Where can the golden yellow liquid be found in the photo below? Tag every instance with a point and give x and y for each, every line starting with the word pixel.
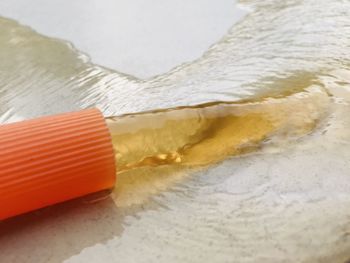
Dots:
pixel 204 134
pixel 152 149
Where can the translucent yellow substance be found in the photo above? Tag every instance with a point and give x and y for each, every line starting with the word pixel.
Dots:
pixel 200 135
pixel 153 148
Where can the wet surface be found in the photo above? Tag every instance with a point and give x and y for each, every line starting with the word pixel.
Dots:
pixel 286 201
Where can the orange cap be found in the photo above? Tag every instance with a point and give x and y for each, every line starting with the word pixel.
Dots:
pixel 53 159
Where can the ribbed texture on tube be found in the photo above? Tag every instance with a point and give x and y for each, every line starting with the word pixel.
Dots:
pixel 53 159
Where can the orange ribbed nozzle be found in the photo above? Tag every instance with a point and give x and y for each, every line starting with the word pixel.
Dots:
pixel 53 159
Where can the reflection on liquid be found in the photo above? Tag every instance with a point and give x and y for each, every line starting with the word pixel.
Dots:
pixel 205 134
pixel 284 75
pixel 159 144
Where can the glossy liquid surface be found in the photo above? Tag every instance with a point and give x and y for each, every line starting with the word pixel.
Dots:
pixel 250 162
pixel 204 134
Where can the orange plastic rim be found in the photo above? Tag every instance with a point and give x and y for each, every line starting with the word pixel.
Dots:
pixel 53 159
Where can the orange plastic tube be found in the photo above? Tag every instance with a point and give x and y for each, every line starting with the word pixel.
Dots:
pixel 53 159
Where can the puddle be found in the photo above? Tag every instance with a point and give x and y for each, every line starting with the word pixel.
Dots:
pixel 267 106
